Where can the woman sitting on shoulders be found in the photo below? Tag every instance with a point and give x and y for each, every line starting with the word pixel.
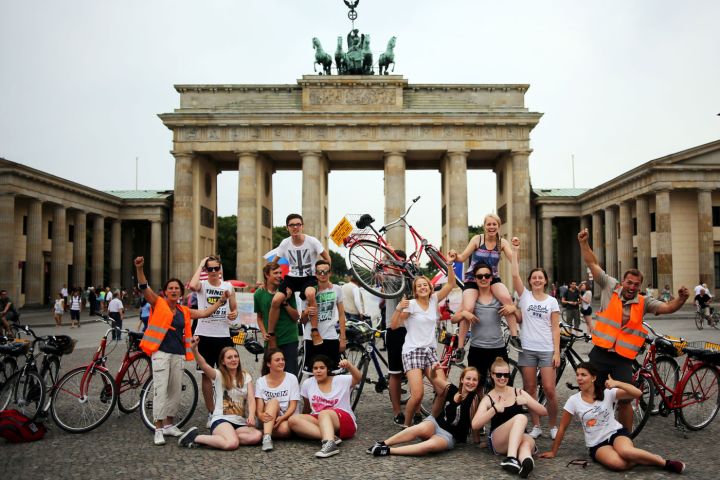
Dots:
pixel 503 408
pixel 607 440
pixel 449 423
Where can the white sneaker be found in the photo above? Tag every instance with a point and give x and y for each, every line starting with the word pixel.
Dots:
pixel 553 432
pixel 172 430
pixel 159 438
pixel 209 422
pixel 536 431
pixel 267 443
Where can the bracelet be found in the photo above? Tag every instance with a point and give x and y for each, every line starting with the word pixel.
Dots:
pixel 142 286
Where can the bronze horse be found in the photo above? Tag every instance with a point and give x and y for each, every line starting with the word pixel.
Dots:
pixel 387 58
pixel 321 57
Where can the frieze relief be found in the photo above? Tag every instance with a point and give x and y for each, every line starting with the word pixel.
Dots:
pixel 352 133
pixel 356 96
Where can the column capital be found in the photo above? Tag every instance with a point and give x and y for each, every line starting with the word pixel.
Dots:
pixel 308 153
pixel 458 151
pixel 527 151
pixel 177 154
pixel 246 153
pixel 394 153
pixel 663 187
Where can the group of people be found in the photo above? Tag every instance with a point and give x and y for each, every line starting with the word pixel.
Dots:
pixel 243 411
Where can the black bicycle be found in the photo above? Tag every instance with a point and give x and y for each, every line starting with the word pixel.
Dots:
pixel 568 355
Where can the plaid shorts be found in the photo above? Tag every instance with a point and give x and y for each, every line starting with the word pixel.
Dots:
pixel 421 358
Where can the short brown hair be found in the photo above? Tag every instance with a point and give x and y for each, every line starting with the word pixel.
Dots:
pixel 634 272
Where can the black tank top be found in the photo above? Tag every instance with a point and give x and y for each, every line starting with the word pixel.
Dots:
pixel 505 415
pixel 455 416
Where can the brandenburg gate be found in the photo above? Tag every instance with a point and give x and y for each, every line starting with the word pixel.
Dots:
pixel 343 122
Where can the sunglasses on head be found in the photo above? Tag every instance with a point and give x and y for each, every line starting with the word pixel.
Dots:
pixel 213 269
pixel 502 374
pixel 486 276
pixel 322 272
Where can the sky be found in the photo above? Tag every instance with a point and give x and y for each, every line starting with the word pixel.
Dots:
pixel 619 83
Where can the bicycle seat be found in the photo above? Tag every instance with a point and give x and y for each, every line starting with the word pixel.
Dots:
pixel 364 221
pixel 709 356
pixel 135 335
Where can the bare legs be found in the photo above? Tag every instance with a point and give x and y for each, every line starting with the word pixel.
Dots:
pixel 226 437
pixel 623 455
pixel 321 428
pixel 417 389
pixel 281 430
pixel 426 432
pixel 510 438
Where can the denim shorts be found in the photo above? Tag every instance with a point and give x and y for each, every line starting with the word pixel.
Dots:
pixel 440 432
pixel 532 358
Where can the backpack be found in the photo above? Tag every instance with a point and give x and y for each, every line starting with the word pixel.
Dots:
pixel 17 428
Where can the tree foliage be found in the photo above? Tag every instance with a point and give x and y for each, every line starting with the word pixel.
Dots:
pixel 227 244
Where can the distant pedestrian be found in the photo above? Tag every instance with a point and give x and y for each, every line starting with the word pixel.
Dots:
pixel 75 308
pixel 116 311
pixel 59 309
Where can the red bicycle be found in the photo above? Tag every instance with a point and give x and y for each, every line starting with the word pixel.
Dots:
pixel 85 396
pixel 375 264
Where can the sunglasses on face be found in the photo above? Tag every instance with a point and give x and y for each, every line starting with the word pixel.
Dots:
pixel 294 225
pixel 322 272
pixel 213 269
pixel 486 276
pixel 502 374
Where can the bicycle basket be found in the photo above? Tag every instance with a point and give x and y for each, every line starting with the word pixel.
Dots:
pixel 670 346
pixel 239 338
pixel 59 345
pixel 704 345
pixel 358 332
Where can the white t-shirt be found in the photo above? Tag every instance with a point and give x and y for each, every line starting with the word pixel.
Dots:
pixel 338 397
pixel 301 258
pixel 420 325
pixel 597 418
pixel 108 296
pixel 287 391
pixel 231 405
pixel 536 327
pixel 115 305
pixel 328 314
pixel 75 303
pixel 216 324
pixel 585 299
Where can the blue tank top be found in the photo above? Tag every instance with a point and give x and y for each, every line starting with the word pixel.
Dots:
pixel 490 257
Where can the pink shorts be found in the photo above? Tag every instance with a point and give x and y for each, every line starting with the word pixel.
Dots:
pixel 347 424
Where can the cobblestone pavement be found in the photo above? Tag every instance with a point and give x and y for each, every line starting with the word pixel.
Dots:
pixel 123 446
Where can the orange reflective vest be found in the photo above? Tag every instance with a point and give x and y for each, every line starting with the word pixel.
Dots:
pixel 159 323
pixel 609 331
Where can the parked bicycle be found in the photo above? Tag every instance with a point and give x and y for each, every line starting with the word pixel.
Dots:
pixel 691 392
pixel 10 351
pixel 375 264
pixel 568 355
pixel 26 390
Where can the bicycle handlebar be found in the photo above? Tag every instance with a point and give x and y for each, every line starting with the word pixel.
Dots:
pixel 569 328
pixel 111 322
pixel 401 218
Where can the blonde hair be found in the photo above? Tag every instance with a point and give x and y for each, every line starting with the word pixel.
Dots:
pixel 227 378
pixel 494 217
pixel 499 362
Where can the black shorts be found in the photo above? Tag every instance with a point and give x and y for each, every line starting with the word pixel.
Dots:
pixel 610 363
pixel 592 451
pixel 297 284
pixel 329 348
pixel 586 312
pixel 483 358
pixel 472 284
pixel 210 347
pixel 394 340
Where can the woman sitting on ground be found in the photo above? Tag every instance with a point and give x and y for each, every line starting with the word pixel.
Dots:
pixel 607 440
pixel 327 412
pixel 449 423
pixel 503 408
pixel 277 393
pixel 233 418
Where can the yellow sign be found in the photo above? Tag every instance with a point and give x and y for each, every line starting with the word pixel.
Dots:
pixel 341 231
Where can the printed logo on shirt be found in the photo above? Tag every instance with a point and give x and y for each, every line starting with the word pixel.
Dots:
pixel 270 395
pixel 300 262
pixel 326 303
pixel 212 295
pixel 596 418
pixel 538 311
pixel 234 402
pixel 321 403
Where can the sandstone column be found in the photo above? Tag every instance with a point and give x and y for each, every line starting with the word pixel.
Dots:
pixel 58 259
pixel 663 239
pixel 706 248
pixel 247 213
pixel 98 251
pixel 34 256
pixel 598 244
pixel 625 247
pixel 8 262
pixel 642 212
pixel 115 253
pixel 454 178
pixel 183 223
pixel 395 195
pixel 610 242
pixel 520 226
pixel 547 248
pixel 79 248
pixel 311 194
pixel 155 253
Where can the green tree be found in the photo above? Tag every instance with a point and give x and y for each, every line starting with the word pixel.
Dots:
pixel 227 244
pixel 278 235
pixel 339 271
pixel 475 230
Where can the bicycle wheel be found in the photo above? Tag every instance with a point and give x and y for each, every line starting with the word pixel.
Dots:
pixel 642 406
pixel 700 398
pixel 441 263
pixel 130 385
pixel 81 402
pixel 25 392
pixel 368 263
pixel 358 389
pixel 698 320
pixel 188 401
pixel 669 373
pixel 51 371
pixel 7 368
pixel 541 398
pixel 715 320
pixel 354 352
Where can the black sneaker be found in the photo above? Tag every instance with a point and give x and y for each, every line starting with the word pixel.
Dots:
pixel 417 418
pixel 376 445
pixel 382 451
pixel 526 467
pixel 187 439
pixel 511 465
pixel 675 466
pixel 399 419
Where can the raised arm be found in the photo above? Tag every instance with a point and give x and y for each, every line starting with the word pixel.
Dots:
pixel 356 374
pixel 471 247
pixel 447 288
pixel 204 366
pixel 564 423
pixel 211 309
pixel 674 304
pixel 515 267
pixel 150 296
pixel 588 255
pixel 195 280
pixel 399 316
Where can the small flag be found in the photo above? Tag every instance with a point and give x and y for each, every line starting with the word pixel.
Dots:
pixel 282 262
